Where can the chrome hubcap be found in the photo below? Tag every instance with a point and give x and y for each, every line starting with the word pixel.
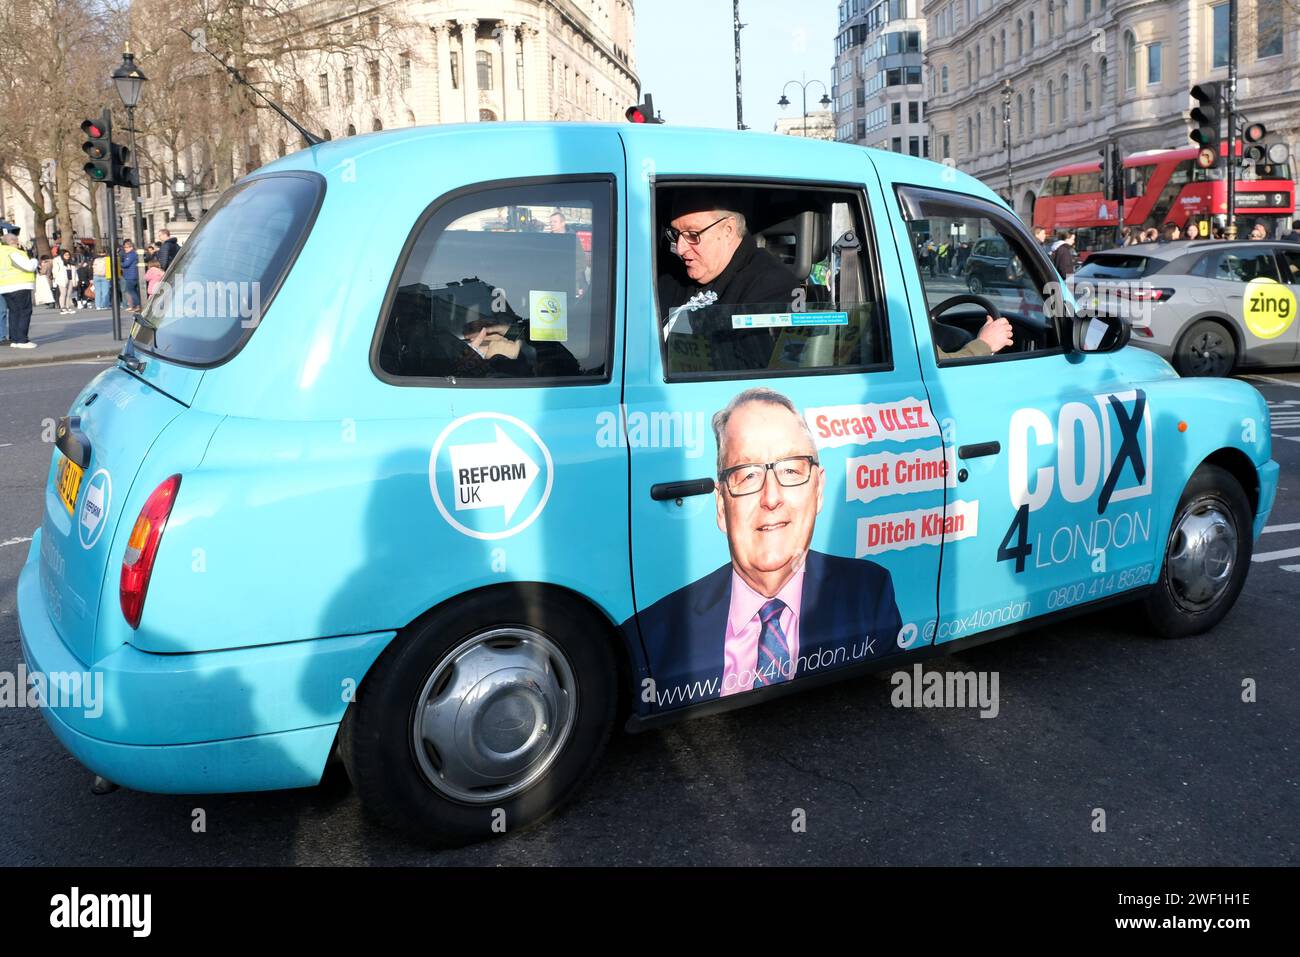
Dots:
pixel 1202 555
pixel 494 715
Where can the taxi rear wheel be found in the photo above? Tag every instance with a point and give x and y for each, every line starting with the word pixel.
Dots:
pixel 482 718
pixel 1206 557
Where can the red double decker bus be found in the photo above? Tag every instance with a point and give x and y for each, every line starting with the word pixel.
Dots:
pixel 1162 186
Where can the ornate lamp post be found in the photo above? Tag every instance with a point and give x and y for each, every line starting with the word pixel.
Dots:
pixel 130 81
pixel 825 101
pixel 180 197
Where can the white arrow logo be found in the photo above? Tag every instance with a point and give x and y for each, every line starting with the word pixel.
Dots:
pixel 496 474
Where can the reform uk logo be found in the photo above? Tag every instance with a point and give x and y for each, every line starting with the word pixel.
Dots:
pixel 94 508
pixel 490 475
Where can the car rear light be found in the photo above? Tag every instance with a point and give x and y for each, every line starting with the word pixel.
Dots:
pixel 1147 294
pixel 142 547
pixel 1143 331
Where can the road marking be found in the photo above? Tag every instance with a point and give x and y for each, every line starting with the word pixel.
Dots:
pixel 14 541
pixel 1274 556
pixel 1289 438
pixel 1293 527
pixel 1289 568
pixel 5 445
pixel 1265 378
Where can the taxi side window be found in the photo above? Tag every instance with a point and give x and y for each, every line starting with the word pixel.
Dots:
pixel 760 281
pixel 511 284
pixel 965 246
pixel 1290 259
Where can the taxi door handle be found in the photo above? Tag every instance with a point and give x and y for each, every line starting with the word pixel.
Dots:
pixel 979 449
pixel 668 491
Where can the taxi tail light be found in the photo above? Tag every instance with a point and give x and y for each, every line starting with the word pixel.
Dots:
pixel 142 548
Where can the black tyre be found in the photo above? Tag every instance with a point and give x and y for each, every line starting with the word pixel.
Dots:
pixel 483 717
pixel 1206 558
pixel 975 285
pixel 1206 349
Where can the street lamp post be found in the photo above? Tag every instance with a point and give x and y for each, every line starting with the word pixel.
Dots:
pixel 180 197
pixel 130 80
pixel 825 101
pixel 1006 137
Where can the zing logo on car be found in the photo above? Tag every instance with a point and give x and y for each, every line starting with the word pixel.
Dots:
pixel 1268 307
pixel 490 475
pixel 94 508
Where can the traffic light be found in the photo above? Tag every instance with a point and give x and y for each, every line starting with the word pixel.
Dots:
pixel 99 147
pixel 123 175
pixel 1205 118
pixel 643 112
pixel 1112 172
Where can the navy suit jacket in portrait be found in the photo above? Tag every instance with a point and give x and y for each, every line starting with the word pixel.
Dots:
pixel 847 603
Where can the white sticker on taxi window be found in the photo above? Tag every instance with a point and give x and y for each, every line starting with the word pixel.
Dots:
pixel 548 312
pixel 771 320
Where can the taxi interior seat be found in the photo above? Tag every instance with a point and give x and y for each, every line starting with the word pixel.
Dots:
pixel 799 242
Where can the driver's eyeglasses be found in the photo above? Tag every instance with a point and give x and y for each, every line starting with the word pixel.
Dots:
pixel 748 478
pixel 692 236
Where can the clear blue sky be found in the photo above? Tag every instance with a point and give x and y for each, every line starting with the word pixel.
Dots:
pixel 686 57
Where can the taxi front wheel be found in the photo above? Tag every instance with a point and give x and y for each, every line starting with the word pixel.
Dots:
pixel 483 717
pixel 1206 557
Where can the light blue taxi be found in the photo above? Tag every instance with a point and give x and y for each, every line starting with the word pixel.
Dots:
pixel 440 451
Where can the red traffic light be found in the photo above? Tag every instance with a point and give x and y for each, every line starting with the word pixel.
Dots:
pixel 635 115
pixel 92 129
pixel 1254 132
pixel 1206 159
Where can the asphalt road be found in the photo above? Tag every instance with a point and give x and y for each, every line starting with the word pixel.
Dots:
pixel 1093 715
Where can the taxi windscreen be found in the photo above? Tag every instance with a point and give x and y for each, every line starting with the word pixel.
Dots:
pixel 216 291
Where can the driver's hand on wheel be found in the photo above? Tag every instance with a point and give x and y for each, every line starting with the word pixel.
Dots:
pixel 995 333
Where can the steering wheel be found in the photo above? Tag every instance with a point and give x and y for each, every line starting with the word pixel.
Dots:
pixel 964 299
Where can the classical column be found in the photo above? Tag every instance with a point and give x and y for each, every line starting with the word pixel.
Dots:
pixel 506 47
pixel 528 95
pixel 442 66
pixel 469 68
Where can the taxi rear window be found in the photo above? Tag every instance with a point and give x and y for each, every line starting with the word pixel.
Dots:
pixel 219 286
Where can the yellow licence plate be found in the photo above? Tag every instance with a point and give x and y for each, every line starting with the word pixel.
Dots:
pixel 67 482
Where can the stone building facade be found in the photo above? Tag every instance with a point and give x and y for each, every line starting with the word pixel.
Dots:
pixel 1086 72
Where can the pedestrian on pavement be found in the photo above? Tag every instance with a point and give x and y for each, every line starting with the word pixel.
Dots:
pixel 167 249
pixel 1294 235
pixel 153 275
pixel 45 283
pixel 1040 234
pixel 17 282
pixel 131 275
pixel 1063 257
pixel 65 279
pixel 100 274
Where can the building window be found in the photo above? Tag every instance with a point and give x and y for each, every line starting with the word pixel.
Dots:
pixel 947 153
pixel 1065 97
pixel 323 82
pixel 1219 42
pixel 1020 115
pixel 914 145
pixel 979 132
pixel 925 146
pixel 1102 76
pixel 1033 33
pixel 348 88
pixel 352 130
pixel 970 137
pixel 1154 72
pixel 1087 90
pixel 373 23
pixel 1020 37
pixel 1051 18
pixel 483 62
pixel 1268 29
pixel 1087 9
pixel 1003 45
pixel 1033 111
pixel 1130 61
pixel 1051 103
pixel 993 128
pixel 375 125
pixel 372 71
pixel 896 144
pixel 913 112
pixel 896 114
pixel 970 70
pixel 406 71
pixel 943 78
pixel 455 70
